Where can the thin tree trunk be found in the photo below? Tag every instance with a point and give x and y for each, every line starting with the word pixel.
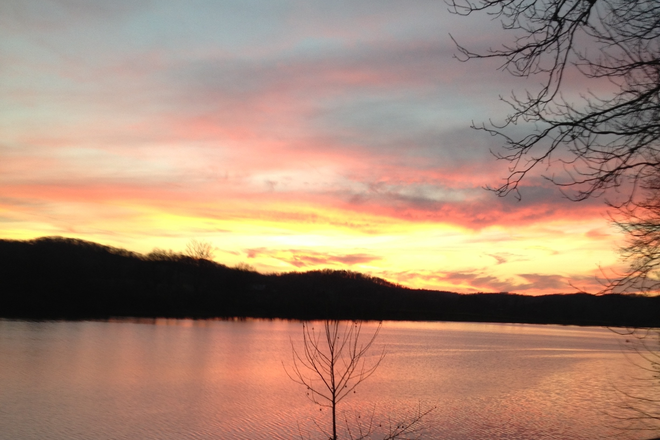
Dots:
pixel 334 420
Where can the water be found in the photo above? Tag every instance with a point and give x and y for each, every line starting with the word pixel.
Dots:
pixel 180 379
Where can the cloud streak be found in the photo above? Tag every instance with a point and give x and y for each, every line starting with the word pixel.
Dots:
pixel 307 259
pixel 297 134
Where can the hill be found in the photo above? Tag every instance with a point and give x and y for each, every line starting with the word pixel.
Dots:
pixel 62 278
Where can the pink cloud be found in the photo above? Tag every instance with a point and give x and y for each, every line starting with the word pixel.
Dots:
pixel 600 233
pixel 354 120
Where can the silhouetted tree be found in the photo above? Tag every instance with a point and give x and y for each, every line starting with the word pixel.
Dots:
pixel 601 141
pixel 245 267
pixel 332 363
pixel 604 140
pixel 158 254
pixel 199 250
pixel 638 408
pixel 641 224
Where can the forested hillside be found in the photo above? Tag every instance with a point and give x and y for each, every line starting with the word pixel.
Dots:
pixel 61 278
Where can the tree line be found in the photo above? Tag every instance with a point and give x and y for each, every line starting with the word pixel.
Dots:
pixel 64 278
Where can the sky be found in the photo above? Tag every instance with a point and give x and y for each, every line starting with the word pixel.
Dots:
pixel 291 135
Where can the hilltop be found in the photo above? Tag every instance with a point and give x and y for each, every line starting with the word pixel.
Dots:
pixel 63 278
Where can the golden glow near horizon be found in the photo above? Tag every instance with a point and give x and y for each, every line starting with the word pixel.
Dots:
pixel 290 140
pixel 531 259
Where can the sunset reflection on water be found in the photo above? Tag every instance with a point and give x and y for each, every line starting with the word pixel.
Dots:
pixel 189 379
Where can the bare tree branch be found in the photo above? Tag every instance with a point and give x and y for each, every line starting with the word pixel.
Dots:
pixel 333 361
pixel 600 143
pixel 199 250
pixel 638 408
pixel 641 224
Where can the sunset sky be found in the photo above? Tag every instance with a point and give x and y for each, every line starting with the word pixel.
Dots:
pixel 292 135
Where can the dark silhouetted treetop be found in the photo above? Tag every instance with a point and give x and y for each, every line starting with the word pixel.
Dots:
pixel 199 250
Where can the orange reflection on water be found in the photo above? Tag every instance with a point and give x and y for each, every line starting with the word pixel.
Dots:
pixel 185 379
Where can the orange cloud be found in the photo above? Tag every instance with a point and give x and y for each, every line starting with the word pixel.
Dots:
pixel 304 258
pixel 335 140
pixel 478 281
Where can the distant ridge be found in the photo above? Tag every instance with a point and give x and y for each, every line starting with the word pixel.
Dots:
pixel 63 278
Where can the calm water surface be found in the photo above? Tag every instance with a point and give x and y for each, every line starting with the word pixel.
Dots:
pixel 180 379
